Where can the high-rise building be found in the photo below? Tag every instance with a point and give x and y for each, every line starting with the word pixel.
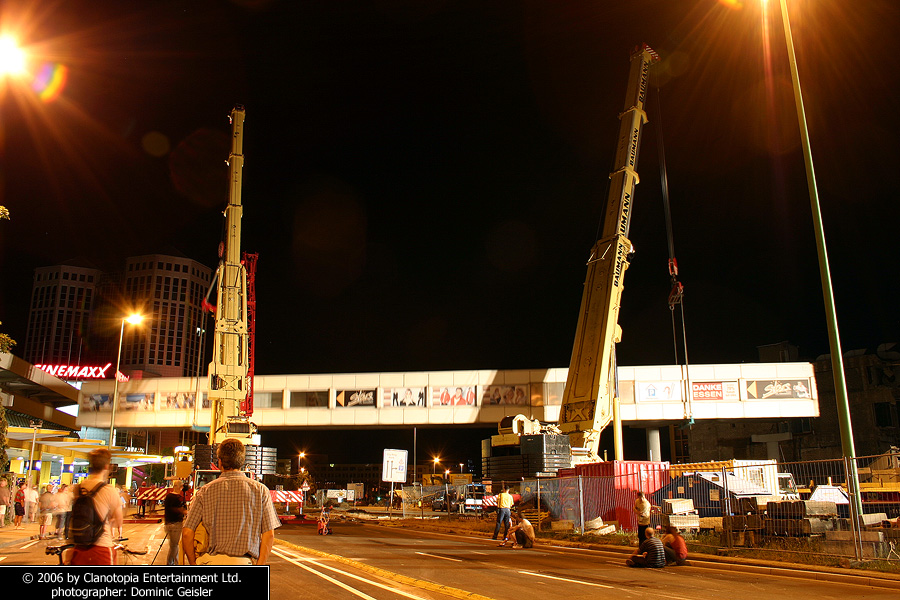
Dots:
pixel 168 290
pixel 62 298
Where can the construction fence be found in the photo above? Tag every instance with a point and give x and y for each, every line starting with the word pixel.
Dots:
pixel 845 507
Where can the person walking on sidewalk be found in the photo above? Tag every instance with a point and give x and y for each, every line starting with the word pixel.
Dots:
pixel 64 509
pixel 5 500
pixel 31 503
pixel 173 512
pixel 48 508
pixel 20 506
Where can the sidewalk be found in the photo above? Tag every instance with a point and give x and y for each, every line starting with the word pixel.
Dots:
pixel 10 536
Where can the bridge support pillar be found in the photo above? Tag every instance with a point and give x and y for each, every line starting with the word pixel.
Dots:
pixel 653 445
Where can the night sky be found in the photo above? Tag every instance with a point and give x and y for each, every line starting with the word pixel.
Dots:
pixel 423 181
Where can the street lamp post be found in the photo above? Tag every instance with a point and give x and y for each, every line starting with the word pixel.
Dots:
pixel 834 341
pixel 437 461
pixel 35 425
pixel 134 320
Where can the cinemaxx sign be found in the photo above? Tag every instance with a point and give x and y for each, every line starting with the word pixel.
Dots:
pixel 75 371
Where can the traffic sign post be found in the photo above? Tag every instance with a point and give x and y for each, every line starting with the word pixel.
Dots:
pixel 393 469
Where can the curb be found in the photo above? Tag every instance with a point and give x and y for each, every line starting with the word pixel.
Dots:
pixel 404 579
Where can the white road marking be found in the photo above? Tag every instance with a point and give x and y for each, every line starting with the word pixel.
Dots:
pixel 566 579
pixel 353 591
pixel 2 558
pixel 481 553
pixel 294 559
pixel 443 557
pixel 27 546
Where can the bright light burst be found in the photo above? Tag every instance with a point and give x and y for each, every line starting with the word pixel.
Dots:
pixel 12 57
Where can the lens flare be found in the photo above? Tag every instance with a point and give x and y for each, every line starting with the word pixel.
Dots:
pixel 733 4
pixel 12 57
pixel 50 81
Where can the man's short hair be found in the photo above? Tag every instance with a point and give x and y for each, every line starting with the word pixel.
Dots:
pixel 177 483
pixel 231 454
pixel 649 532
pixel 98 460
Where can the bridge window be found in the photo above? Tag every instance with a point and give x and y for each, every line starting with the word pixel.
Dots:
pixel 309 399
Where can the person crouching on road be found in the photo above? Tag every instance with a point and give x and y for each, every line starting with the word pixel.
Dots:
pixel 651 553
pixel 675 547
pixel 522 531
pixel 236 511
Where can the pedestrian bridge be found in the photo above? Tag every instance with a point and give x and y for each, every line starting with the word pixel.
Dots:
pixel 651 394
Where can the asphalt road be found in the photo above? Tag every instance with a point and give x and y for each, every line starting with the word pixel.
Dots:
pixel 382 562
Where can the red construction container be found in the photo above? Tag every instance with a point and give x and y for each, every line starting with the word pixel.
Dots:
pixel 609 487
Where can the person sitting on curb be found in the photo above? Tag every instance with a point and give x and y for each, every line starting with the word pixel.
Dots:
pixel 522 531
pixel 675 547
pixel 650 554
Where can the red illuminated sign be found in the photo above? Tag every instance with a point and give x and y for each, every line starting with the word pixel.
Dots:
pixel 75 371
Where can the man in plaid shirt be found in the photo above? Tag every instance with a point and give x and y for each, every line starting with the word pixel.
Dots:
pixel 237 513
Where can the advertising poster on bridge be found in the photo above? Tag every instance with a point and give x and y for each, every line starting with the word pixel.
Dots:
pixel 345 398
pixel 504 394
pixel 403 396
pixel 659 391
pixel 143 401
pixel 715 390
pixel 773 389
pixel 95 402
pixel 463 395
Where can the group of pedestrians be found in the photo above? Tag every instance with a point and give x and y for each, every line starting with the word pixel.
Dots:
pixel 50 509
pixel 236 512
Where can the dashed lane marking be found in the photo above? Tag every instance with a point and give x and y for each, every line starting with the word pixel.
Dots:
pixel 442 557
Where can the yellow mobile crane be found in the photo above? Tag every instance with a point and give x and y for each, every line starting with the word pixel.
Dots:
pixel 589 400
pixel 229 379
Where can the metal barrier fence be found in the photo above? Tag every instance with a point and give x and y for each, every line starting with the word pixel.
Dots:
pixel 803 507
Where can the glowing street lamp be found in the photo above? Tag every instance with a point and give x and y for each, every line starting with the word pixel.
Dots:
pixel 12 57
pixel 134 320
pixel 460 467
pixel 437 461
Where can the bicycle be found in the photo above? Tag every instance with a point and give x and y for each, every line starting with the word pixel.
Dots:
pixel 65 557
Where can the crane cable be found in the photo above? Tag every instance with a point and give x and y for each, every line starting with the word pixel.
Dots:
pixel 676 295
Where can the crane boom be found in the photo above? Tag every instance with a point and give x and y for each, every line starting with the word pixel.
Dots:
pixel 228 371
pixel 589 396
